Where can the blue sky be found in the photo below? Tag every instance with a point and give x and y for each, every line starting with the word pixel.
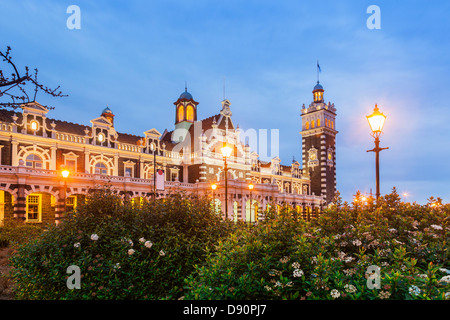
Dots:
pixel 135 57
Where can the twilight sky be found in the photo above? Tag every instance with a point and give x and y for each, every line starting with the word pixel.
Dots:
pixel 135 56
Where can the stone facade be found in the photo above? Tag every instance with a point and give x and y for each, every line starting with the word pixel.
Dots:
pixel 34 149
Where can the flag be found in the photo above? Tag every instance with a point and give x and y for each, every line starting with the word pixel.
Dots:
pixel 318 67
pixel 160 180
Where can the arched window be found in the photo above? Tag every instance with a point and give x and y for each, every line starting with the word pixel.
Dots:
pixel 318 122
pixel 326 123
pixel 101 168
pixel 307 125
pixel 312 124
pixel 34 161
pixel 190 113
pixel 180 113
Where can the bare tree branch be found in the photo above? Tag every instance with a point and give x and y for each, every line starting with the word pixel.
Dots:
pixel 17 83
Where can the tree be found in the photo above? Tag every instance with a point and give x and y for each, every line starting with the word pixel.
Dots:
pixel 14 87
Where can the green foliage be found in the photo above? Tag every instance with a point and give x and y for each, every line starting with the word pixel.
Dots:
pixel 329 257
pixel 178 248
pixel 16 232
pixel 123 251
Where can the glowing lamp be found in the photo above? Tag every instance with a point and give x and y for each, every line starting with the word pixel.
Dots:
pixel 376 121
pixel 65 173
pixel 34 125
pixel 251 186
pixel 214 186
pixel 226 151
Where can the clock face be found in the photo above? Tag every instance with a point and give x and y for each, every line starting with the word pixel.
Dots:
pixel 312 156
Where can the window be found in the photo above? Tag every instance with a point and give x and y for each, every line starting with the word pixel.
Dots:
pixel 180 113
pixel 318 122
pixel 71 203
pixel 307 125
pixel 312 124
pixel 34 207
pixel 34 161
pixel 100 168
pixel 71 165
pixel 189 113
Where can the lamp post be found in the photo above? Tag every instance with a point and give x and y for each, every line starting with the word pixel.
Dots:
pixel 65 174
pixel 376 122
pixel 214 187
pixel 250 187
pixel 226 152
pixel 153 148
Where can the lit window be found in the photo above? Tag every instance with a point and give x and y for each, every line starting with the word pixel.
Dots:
pixel 180 113
pixel 34 161
pixel 307 125
pixel 34 207
pixel 100 168
pixel 71 203
pixel 189 113
pixel 312 124
pixel 318 122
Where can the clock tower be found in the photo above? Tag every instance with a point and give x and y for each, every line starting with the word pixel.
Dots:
pixel 319 144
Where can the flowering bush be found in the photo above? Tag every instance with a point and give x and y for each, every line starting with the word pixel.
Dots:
pixel 333 257
pixel 123 251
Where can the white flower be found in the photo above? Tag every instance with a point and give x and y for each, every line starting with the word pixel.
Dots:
pixel 392 230
pixel 94 237
pixel 296 265
pixel 77 245
pixel 350 288
pixel 349 259
pixel 335 294
pixel 142 240
pixel 278 284
pixel 130 252
pixel 445 279
pixel 414 290
pixel 298 273
pixel 148 244
pixel 162 253
pixel 422 276
pixel 444 270
pixel 436 227
pixel 447 295
pixel 117 266
pixel 268 288
pixel 356 242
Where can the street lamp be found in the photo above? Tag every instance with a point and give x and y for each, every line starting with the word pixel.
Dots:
pixel 153 149
pixel 214 187
pixel 226 152
pixel 376 122
pixel 250 187
pixel 65 174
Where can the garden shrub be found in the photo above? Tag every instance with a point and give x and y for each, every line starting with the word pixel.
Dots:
pixel 332 257
pixel 123 251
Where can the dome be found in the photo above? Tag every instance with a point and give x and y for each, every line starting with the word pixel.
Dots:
pixel 318 86
pixel 186 95
pixel 107 110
